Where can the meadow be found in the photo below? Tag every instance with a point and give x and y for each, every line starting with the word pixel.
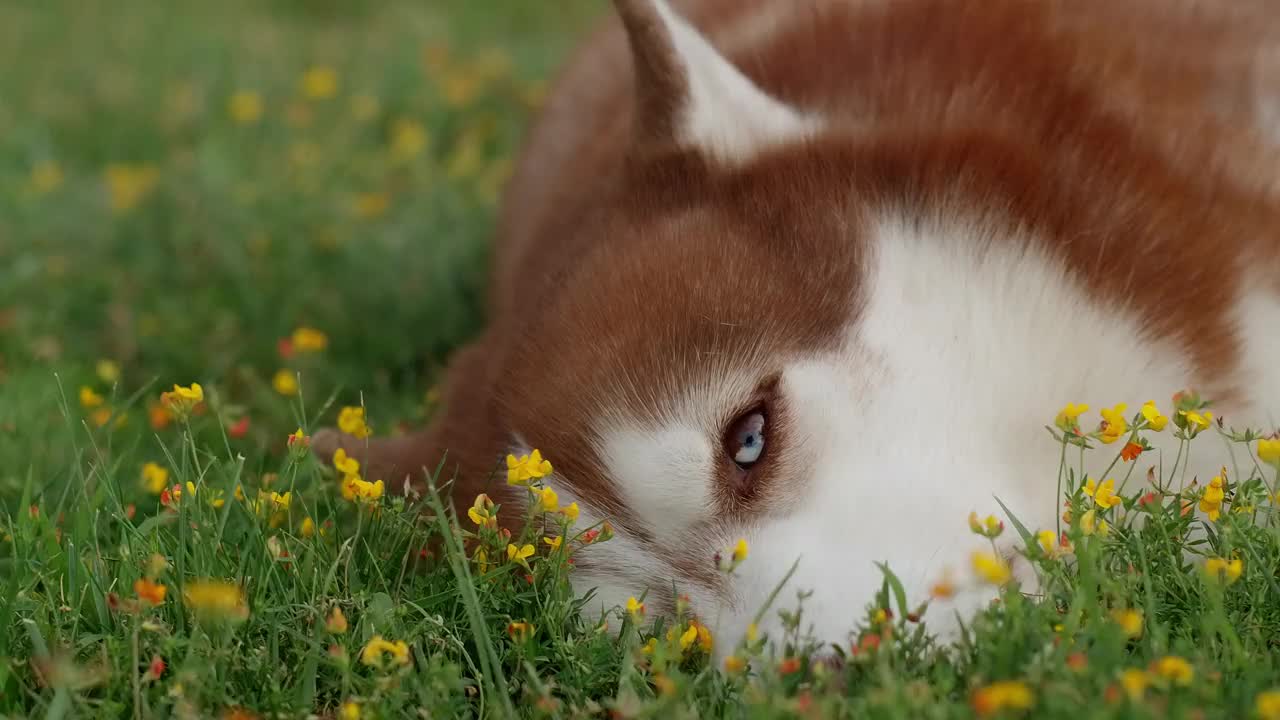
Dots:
pixel 226 225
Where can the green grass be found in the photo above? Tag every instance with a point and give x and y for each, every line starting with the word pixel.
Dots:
pixel 366 215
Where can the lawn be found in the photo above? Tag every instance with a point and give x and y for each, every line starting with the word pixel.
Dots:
pixel 288 202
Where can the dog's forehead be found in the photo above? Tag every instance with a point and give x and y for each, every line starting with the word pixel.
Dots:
pixel 671 298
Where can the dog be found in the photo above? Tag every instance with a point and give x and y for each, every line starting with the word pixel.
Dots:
pixel 817 274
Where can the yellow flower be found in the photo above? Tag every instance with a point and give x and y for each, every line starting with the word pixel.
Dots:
pixel 279 501
pixel 1269 451
pixel 1114 426
pixel 734 664
pixel 650 647
pixel 408 139
pixel 215 497
pixel 1154 419
pixel 285 382
pixel 129 185
pixel 350 710
pixel 570 511
pixel 344 464
pixel 46 177
pixel 108 371
pixel 176 492
pixel 307 528
pixel 351 421
pixel 320 83
pixel 1068 418
pixel 216 599
pixel 688 637
pixel 154 478
pixel 635 608
pixel 740 550
pixel 753 633
pixel 1211 500
pixel 991 568
pixel 1104 495
pixel 1000 696
pixel 354 488
pixel 1267 705
pixel 308 340
pixel 245 107
pixel 90 399
pixel 370 205
pixel 1090 524
pixel 526 468
pixel 1224 570
pixel 1134 682
pixel 336 623
pixel 1048 542
pixel 182 400
pixel 149 592
pixel 991 527
pixel 1130 621
pixel 1173 669
pixel 705 642
pixel 519 554
pixel 378 649
pixel 548 499
pixel 1197 421
pixel 554 542
pixel 481 512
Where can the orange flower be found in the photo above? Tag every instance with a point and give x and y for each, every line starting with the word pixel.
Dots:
pixel 944 588
pixel 1131 451
pixel 155 669
pixel 149 592
pixel 239 429
pixel 159 416
pixel 519 631
pixel 789 666
pixel 336 623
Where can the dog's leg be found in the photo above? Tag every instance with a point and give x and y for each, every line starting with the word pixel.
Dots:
pixel 459 436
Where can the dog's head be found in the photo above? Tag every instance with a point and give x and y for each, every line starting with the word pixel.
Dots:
pixel 831 339
pixel 725 359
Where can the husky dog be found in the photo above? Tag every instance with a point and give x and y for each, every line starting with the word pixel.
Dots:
pixel 816 273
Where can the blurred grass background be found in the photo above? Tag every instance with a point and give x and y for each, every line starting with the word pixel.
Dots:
pixel 183 183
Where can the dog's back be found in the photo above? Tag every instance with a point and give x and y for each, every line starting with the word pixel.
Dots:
pixel 1194 84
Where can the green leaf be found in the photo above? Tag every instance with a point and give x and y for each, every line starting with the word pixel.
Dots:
pixel 899 592
pixel 1027 537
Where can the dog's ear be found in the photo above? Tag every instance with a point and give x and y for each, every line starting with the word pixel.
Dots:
pixel 463 441
pixel 689 96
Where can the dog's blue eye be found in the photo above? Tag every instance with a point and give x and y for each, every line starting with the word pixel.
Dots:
pixel 745 441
